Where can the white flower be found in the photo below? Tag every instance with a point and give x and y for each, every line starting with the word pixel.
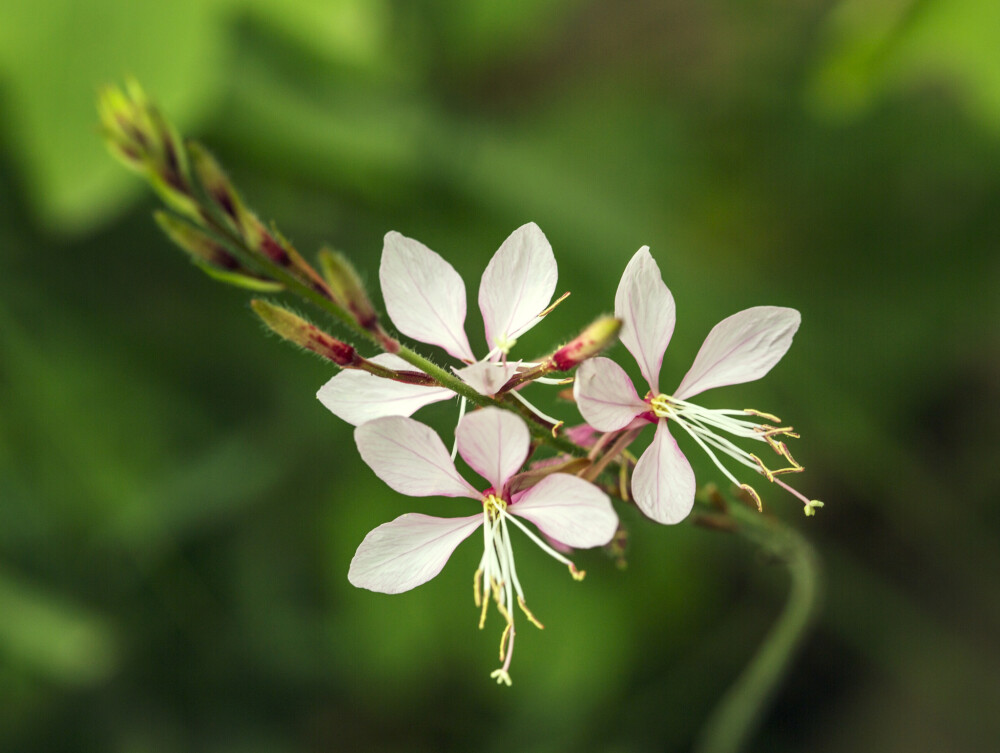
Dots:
pixel 425 299
pixel 413 548
pixel 741 348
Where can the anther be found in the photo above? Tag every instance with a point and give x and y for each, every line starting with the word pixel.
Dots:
pixel 762 414
pixel 763 468
pixel 527 612
pixel 752 493
pixel 476 592
pixel 782 449
pixel 577 574
pixel 503 640
pixel 555 303
pixel 482 614
pixel 769 431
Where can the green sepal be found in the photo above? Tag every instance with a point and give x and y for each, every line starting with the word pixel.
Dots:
pixel 239 279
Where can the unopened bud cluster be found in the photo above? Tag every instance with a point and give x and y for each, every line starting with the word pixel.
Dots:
pixel 212 223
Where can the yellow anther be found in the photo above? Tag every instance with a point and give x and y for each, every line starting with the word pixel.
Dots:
pixel 494 505
pixel 527 613
pixel 555 303
pixel 555 429
pixel 763 468
pixel 762 414
pixel 753 495
pixel 476 593
pixel 660 405
pixel 577 574
pixel 782 449
pixel 770 474
pixel 503 640
pixel 482 613
pixel 769 431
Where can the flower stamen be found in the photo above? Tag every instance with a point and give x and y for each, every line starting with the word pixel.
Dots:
pixel 527 613
pixel 705 424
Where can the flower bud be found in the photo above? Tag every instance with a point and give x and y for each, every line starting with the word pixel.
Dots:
pixel 216 183
pixel 297 330
pixel 595 338
pixel 347 288
pixel 141 138
pixel 258 238
pixel 202 247
pixel 211 256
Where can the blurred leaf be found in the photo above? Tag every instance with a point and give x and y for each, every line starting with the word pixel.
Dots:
pixel 53 637
pixel 54 55
pixel 349 31
pixel 875 47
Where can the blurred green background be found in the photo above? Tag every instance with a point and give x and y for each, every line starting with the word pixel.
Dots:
pixel 178 512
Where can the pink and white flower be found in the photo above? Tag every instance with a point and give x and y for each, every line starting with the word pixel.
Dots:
pixel 425 299
pixel 413 548
pixel 741 348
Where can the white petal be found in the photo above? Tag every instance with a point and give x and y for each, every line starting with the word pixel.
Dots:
pixel 517 285
pixel 486 377
pixel 663 483
pixel 424 295
pixel 605 395
pixel 494 442
pixel 646 308
pixel 741 348
pixel 357 396
pixel 410 458
pixel 569 509
pixel 407 552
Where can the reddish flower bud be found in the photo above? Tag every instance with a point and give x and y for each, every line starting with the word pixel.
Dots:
pixel 587 344
pixel 297 330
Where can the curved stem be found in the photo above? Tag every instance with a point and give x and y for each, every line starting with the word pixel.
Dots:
pixel 741 709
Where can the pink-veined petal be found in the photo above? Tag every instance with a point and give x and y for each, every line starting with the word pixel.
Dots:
pixel 357 396
pixel 517 285
pixel 663 483
pixel 486 377
pixel 408 551
pixel 569 510
pixel 646 307
pixel 741 348
pixel 494 442
pixel 424 295
pixel 605 396
pixel 410 458
pixel 583 434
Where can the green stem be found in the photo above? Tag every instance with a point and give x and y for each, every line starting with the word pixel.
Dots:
pixel 741 709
